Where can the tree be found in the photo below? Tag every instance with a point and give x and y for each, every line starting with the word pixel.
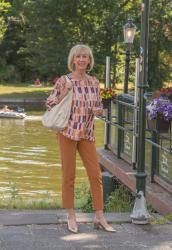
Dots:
pixel 13 39
pixel 160 43
pixel 40 34
pixel 4 7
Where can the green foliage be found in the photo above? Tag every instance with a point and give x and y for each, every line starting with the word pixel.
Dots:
pixel 19 203
pixel 13 191
pixel 169 217
pixel 36 37
pixel 120 200
pixel 4 8
pixel 87 206
pixel 83 198
pixel 12 64
pixel 15 200
pixel 150 209
pixel 160 43
pixel 162 220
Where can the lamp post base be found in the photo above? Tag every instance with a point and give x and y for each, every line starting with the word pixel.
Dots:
pixel 140 222
pixel 140 214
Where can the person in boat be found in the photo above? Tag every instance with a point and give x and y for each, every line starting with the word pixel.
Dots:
pixel 6 109
pixel 37 82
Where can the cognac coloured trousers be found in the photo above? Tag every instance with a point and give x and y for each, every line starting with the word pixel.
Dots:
pixel 87 152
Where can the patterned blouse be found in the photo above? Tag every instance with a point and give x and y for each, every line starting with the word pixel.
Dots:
pixel 86 98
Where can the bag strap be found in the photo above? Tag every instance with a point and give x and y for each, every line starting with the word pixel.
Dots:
pixel 68 81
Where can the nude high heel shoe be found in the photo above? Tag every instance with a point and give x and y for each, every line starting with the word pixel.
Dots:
pixel 71 229
pixel 99 225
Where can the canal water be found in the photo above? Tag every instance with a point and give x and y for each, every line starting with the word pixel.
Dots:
pixel 30 160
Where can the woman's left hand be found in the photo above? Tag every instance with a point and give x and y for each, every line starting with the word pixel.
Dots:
pixel 97 111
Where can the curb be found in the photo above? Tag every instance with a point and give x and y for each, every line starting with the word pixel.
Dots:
pixel 45 217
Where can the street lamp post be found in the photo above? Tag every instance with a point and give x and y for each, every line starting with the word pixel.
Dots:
pixel 140 175
pixel 140 214
pixel 129 33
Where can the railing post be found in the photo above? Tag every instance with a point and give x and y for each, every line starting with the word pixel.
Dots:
pixel 107 111
pixel 107 84
pixel 108 126
pixel 155 156
pixel 120 133
pixel 135 124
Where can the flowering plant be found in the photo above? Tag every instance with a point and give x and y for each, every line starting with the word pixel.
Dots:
pixel 160 107
pixel 107 93
pixel 166 92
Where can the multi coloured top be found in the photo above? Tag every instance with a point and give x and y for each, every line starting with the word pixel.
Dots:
pixel 86 99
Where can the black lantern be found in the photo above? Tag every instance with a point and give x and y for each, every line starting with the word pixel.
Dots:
pixel 129 32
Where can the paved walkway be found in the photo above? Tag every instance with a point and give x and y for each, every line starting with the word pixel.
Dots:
pixel 46 230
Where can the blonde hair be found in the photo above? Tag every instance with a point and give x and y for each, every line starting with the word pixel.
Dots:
pixel 76 50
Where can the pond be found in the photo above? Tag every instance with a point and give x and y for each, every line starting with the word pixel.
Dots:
pixel 30 161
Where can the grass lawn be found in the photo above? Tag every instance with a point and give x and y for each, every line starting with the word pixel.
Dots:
pixel 23 91
pixel 26 91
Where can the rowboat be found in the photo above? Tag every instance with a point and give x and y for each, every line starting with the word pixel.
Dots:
pixel 12 114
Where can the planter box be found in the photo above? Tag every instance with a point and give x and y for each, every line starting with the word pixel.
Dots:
pixel 159 125
pixel 106 103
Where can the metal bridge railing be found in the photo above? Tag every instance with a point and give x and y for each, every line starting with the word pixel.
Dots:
pixel 121 135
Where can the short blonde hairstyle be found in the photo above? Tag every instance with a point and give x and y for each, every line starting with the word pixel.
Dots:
pixel 75 51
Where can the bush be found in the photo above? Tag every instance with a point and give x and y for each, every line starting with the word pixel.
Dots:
pixel 121 200
pixel 83 199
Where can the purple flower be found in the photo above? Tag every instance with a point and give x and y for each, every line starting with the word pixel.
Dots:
pixel 159 107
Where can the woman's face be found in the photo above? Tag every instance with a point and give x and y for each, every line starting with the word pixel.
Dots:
pixel 81 61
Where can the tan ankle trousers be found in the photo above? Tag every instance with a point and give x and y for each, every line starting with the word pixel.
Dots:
pixel 87 151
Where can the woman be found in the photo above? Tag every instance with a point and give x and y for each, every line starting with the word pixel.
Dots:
pixel 79 135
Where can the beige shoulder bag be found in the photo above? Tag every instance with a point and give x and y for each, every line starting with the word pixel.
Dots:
pixel 58 117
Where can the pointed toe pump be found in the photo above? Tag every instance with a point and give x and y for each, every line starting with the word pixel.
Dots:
pixel 72 229
pixel 99 225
